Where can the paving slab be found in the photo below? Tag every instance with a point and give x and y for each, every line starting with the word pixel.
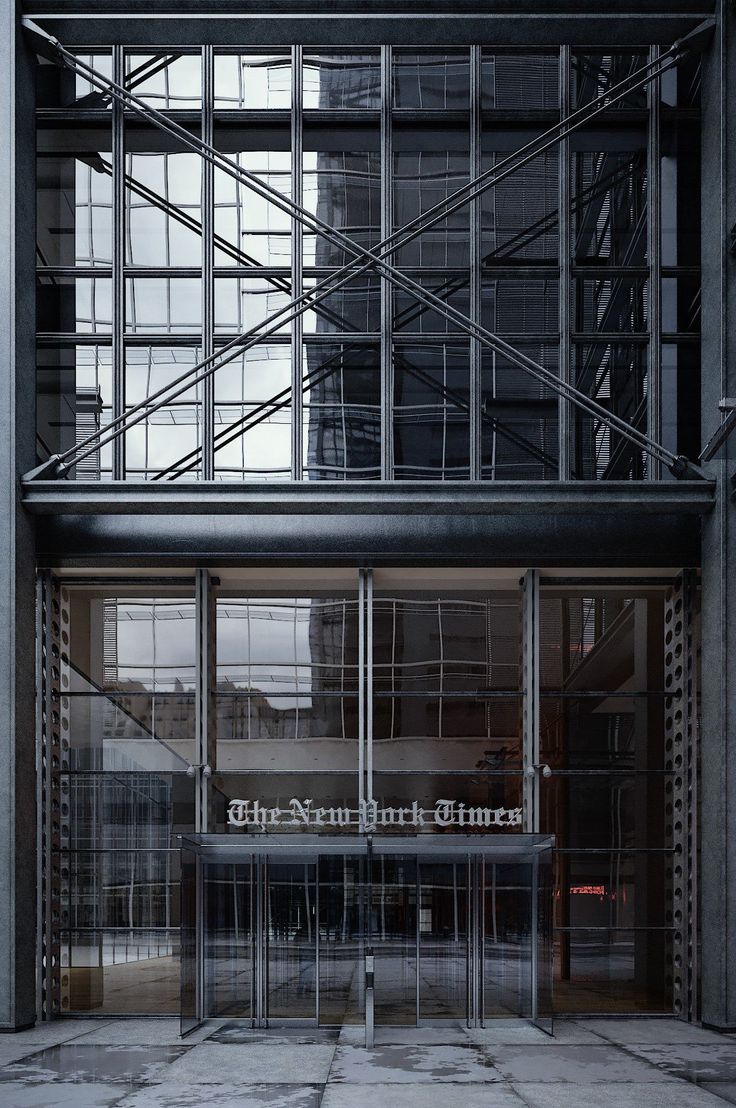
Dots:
pixel 659 1031
pixel 18 1094
pixel 393 1064
pixel 224 1095
pixel 445 1095
pixel 634 1095
pixel 252 1064
pixel 693 1061
pixel 582 1065
pixel 109 1065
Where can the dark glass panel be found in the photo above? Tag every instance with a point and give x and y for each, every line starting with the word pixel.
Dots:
pixel 354 307
pixel 612 890
pixel 617 305
pixel 74 305
pixel 120 972
pixel 612 971
pixel 519 417
pixel 342 412
pixel 125 810
pixel 615 376
pixel 229 940
pixel 609 194
pixel 606 811
pixel 74 209
pixel 137 890
pixel 432 80
pixel 519 216
pixel 594 74
pixel 342 80
pixel 59 87
pixel 342 188
pixel 421 179
pixel 431 412
pixel 73 400
pixel 518 82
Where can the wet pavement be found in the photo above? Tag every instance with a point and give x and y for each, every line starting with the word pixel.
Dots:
pixel 590 1063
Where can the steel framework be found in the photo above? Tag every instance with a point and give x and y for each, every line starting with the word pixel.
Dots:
pixel 366 260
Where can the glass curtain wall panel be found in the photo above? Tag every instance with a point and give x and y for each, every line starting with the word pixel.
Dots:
pixel 128 697
pixel 602 733
pixel 447 699
pixel 136 240
pixel 287 699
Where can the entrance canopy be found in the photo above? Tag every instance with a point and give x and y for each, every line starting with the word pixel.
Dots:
pixel 388 929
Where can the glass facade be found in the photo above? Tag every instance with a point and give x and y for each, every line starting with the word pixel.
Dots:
pixel 150 260
pixel 338 688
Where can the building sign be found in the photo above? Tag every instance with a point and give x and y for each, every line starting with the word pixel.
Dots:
pixel 369 815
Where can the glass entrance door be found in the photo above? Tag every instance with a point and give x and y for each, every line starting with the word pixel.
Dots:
pixel 290 933
pixel 273 933
pixel 443 940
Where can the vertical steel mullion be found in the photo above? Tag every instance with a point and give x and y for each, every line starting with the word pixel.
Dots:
pixel 481 940
pixel 118 262
pixel 654 244
pixel 316 937
pixel 297 263
pixel 530 699
pixel 418 939
pixel 470 944
pixel 565 259
pixel 204 723
pixel 476 349
pixel 369 684
pixel 534 960
pixel 361 700
pixel 199 938
pixel 387 361
pixel 207 415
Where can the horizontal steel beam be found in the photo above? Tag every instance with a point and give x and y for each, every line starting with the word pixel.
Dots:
pixel 234 23
pixel 72 498
pixel 623 538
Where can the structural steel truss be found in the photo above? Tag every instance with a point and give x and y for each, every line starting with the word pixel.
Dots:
pixel 364 261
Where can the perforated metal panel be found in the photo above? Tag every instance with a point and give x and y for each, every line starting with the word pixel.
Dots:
pixel 53 741
pixel 681 758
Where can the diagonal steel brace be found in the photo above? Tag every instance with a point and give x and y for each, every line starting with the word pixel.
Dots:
pixel 398 239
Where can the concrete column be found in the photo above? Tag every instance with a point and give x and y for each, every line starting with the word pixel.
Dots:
pixel 718 764
pixel 17 419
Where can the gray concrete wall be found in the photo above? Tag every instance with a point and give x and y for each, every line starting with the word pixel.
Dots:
pixel 718 804
pixel 17 418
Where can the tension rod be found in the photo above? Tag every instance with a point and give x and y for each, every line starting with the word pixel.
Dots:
pixel 440 211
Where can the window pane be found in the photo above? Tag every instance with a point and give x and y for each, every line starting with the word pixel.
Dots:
pixel 163 305
pixel 253 416
pixel 431 412
pixel 520 81
pixel 165 80
pixel 248 228
pixel 162 209
pixel 73 400
pixel 74 305
pixel 342 412
pixel 342 80
pixel 255 81
pixel 74 210
pixel 432 80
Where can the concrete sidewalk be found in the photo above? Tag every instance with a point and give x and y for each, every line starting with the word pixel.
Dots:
pixel 593 1063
